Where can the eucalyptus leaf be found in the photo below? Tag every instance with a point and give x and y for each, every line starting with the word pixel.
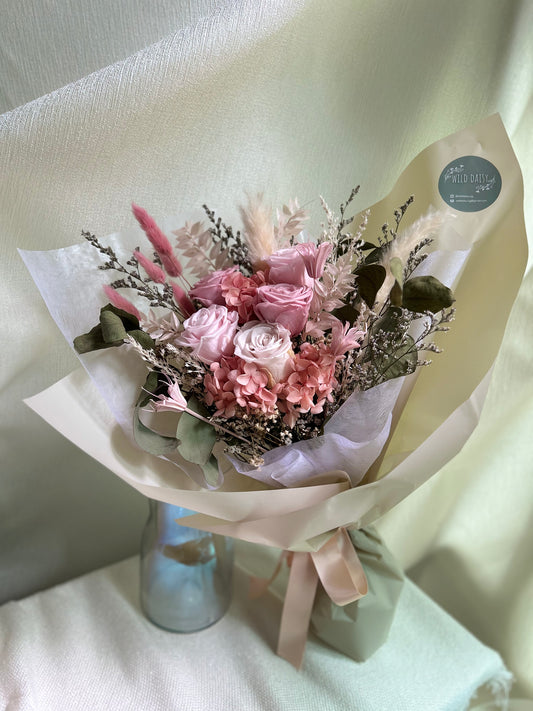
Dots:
pixel 401 363
pixel 426 293
pixel 211 471
pixel 112 327
pixel 396 295
pixel 347 313
pixel 375 255
pixel 389 321
pixel 370 278
pixel 150 441
pixel 92 341
pixel 111 331
pixel 142 338
pixel 149 388
pixel 197 437
pixel 129 320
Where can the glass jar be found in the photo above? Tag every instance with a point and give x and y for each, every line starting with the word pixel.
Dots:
pixel 186 574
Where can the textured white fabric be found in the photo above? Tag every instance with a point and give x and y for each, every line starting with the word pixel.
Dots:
pixel 85 645
pixel 292 98
pixel 45 44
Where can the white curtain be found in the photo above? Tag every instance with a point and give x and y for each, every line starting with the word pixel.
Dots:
pixel 198 102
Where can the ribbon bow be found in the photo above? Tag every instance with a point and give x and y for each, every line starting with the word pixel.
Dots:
pixel 339 569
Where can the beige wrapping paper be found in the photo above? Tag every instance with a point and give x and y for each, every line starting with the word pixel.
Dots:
pixel 361 627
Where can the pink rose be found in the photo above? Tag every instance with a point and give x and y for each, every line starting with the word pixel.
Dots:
pixel 286 266
pixel 298 265
pixel 285 304
pixel 208 290
pixel 314 257
pixel 266 345
pixel 209 333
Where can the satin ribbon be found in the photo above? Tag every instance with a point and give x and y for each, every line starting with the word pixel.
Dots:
pixel 338 568
pixel 259 586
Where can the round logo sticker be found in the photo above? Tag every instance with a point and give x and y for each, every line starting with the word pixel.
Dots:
pixel 470 184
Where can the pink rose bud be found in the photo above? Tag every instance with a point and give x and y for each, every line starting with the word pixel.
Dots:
pixel 285 304
pixel 209 333
pixel 208 290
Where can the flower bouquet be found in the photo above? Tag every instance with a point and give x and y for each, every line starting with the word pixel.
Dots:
pixel 277 381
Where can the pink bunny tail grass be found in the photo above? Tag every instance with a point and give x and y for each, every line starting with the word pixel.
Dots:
pixel 153 232
pixel 183 301
pixel 159 241
pixel 120 302
pixel 171 265
pixel 154 271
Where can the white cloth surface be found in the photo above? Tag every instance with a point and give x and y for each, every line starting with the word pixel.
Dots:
pixel 45 44
pixel 294 99
pixel 86 645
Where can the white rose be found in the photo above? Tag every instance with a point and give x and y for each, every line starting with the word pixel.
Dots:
pixel 268 345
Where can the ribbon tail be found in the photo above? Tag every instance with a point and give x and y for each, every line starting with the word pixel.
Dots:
pixel 297 608
pixel 259 586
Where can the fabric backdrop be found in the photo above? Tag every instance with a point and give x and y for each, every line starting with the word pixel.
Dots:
pixel 292 99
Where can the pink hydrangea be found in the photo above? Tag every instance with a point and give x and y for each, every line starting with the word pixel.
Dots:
pixel 232 382
pixel 240 292
pixel 310 384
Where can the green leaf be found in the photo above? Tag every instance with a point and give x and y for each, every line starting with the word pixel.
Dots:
pixel 150 441
pixel 210 469
pixel 396 295
pixel 142 338
pixel 149 388
pixel 370 278
pixel 197 437
pixel 374 256
pixel 426 293
pixel 129 320
pixel 347 313
pixel 402 362
pixel 389 321
pixel 112 327
pixel 366 246
pixel 92 341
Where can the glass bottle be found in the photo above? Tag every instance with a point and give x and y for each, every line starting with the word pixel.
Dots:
pixel 186 574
